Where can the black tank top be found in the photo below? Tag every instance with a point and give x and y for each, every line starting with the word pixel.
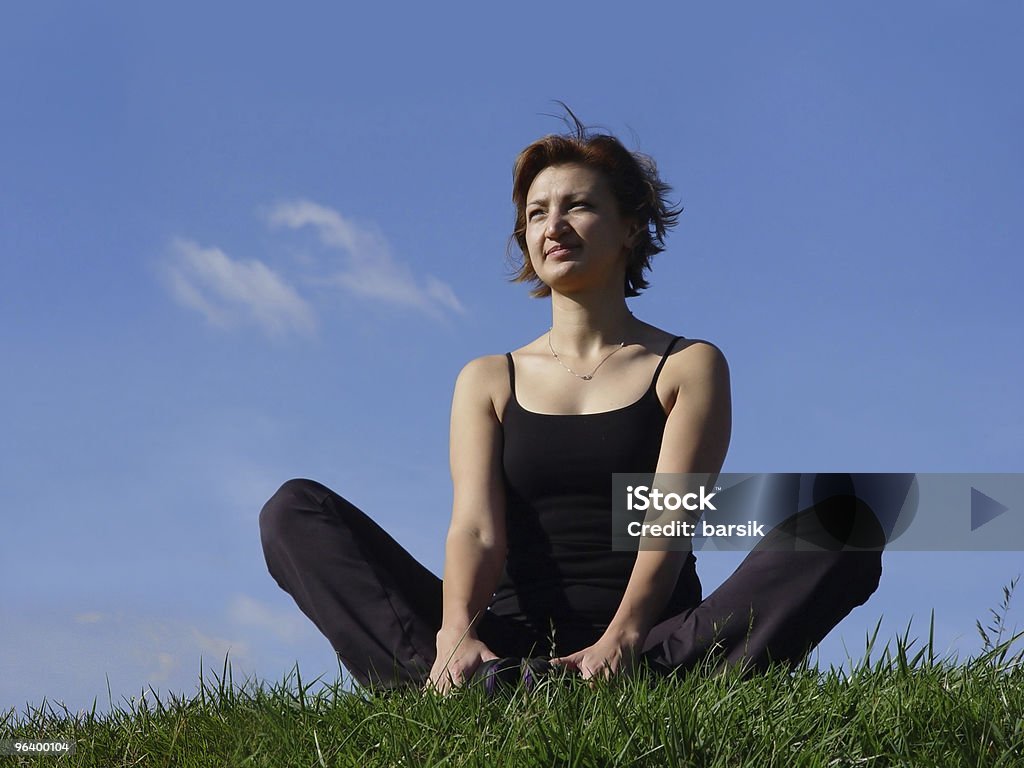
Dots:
pixel 561 572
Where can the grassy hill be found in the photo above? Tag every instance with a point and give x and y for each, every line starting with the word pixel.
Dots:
pixel 903 708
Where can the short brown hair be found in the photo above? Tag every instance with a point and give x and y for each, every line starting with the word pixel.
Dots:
pixel 634 180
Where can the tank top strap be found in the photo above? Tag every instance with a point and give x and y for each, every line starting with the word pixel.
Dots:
pixel 664 357
pixel 511 374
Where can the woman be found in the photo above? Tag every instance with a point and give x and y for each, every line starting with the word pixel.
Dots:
pixel 535 436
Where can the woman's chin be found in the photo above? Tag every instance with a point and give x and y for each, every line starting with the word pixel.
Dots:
pixel 565 272
pixel 575 281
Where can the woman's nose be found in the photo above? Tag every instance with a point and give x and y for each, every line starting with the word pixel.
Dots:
pixel 556 223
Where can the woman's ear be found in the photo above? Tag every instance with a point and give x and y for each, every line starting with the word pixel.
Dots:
pixel 633 234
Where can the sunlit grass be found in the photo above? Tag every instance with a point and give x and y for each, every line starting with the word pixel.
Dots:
pixel 897 706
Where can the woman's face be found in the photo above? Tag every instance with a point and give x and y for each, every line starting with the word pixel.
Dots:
pixel 575 234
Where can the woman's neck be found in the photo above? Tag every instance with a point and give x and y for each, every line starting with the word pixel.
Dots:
pixel 582 327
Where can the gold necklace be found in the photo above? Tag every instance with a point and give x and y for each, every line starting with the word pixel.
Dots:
pixel 582 376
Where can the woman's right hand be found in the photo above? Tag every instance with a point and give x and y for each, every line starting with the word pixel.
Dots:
pixel 475 545
pixel 458 656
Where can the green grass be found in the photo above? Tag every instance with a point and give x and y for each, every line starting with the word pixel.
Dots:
pixel 905 707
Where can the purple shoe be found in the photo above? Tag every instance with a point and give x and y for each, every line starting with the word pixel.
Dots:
pixel 498 674
pixel 535 670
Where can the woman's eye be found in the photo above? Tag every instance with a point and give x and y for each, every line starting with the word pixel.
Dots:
pixel 534 214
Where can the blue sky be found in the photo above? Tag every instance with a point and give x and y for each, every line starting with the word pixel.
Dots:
pixel 242 243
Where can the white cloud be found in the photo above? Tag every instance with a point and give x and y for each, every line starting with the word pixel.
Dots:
pixel 370 271
pixel 219 647
pixel 166 665
pixel 229 292
pixel 442 293
pixel 169 641
pixel 287 625
pixel 73 653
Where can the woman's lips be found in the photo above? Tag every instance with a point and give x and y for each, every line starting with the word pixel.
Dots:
pixel 560 251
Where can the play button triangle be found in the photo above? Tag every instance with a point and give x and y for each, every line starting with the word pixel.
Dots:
pixel 984 509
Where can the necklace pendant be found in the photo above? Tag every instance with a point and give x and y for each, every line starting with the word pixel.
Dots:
pixel 582 376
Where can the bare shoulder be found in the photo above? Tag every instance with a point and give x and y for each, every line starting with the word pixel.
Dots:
pixel 690 357
pixel 699 426
pixel 697 369
pixel 696 359
pixel 483 381
pixel 481 370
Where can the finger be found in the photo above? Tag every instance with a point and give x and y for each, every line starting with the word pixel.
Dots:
pixel 600 671
pixel 436 685
pixel 443 682
pixel 459 677
pixel 431 682
pixel 441 678
pixel 451 678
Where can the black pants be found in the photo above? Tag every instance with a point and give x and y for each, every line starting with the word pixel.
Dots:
pixel 381 609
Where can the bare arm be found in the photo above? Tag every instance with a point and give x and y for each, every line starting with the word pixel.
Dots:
pixel 475 546
pixel 696 439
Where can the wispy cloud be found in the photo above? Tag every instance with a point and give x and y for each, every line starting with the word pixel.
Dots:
pixel 74 653
pixel 165 666
pixel 250 613
pixel 219 647
pixel 370 269
pixel 232 292
pixel 229 292
pixel 171 641
pixel 90 617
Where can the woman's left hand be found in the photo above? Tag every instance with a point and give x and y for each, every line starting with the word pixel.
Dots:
pixel 612 654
